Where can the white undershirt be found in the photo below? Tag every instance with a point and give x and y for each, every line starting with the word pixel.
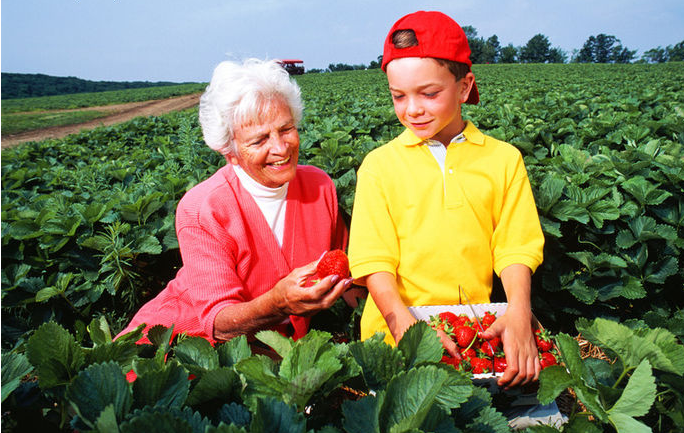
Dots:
pixel 439 151
pixel 271 201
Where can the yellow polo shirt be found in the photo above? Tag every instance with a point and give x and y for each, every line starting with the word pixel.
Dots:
pixel 435 230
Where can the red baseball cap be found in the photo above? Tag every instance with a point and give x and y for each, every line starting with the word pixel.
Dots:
pixel 438 36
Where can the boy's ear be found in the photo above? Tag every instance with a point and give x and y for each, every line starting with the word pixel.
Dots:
pixel 467 82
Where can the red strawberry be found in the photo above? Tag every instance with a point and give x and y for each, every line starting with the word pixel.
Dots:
pixel 468 353
pixel 543 339
pixel 465 335
pixel 500 364
pixel 450 317
pixel 455 362
pixel 488 319
pixel 462 320
pixel 480 365
pixel 547 359
pixel 439 324
pixel 490 347
pixel 334 262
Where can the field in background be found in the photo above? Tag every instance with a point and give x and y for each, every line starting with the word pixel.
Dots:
pixel 88 221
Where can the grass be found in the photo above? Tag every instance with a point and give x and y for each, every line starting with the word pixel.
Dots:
pixel 18 123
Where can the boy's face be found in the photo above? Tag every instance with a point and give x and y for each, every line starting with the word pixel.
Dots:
pixel 427 98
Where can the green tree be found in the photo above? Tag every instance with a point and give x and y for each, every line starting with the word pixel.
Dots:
pixel 536 50
pixel 676 53
pixel 604 48
pixel 376 64
pixel 556 55
pixel 509 54
pixel 655 55
pixel 491 50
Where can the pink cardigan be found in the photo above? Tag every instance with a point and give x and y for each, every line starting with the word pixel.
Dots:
pixel 230 255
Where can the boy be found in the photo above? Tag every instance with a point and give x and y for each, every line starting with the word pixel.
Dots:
pixel 442 205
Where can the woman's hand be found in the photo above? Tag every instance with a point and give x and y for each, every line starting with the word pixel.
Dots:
pixel 294 297
pixel 289 296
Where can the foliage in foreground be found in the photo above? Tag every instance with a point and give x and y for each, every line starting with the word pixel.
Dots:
pixel 315 385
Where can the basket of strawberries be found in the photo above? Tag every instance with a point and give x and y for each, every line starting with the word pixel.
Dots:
pixel 483 358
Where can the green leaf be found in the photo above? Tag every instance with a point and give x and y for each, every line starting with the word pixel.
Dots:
pixel 582 292
pixel 107 422
pixel 261 379
pixel 233 351
pixel 639 394
pixel 148 245
pixel 645 192
pixel 168 387
pixel 363 415
pixel 566 210
pixel 234 413
pixel 604 210
pixel 489 420
pixel 273 416
pixel 627 424
pixel 14 367
pixel 222 384
pixel 570 353
pixel 55 355
pixel 95 388
pixel 658 346
pixel 281 344
pixel 47 293
pixel 409 397
pixel 121 352
pixel 99 331
pixel 550 191
pixel 553 381
pixel 197 355
pixel 658 272
pixel 420 344
pixel 379 361
pixel 152 419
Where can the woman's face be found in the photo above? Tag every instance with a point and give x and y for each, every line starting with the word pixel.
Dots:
pixel 268 151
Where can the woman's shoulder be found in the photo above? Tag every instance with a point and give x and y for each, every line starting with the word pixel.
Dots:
pixel 211 193
pixel 310 173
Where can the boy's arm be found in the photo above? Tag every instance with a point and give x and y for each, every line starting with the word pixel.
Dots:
pixel 383 287
pixel 515 328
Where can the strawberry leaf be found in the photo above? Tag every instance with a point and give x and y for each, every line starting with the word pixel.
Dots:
pixel 378 360
pixel 55 355
pixel 95 388
pixel 168 387
pixel 420 344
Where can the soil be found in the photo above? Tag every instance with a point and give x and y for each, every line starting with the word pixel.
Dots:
pixel 120 113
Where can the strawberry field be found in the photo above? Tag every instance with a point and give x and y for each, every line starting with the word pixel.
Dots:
pixel 88 237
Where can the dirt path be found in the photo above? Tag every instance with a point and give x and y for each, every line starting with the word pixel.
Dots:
pixel 122 113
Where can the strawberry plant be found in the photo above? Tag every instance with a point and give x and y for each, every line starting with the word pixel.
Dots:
pixel 88 231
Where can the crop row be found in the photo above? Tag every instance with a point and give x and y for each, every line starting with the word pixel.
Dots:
pixel 91 99
pixel 88 221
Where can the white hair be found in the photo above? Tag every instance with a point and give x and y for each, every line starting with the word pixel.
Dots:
pixel 241 92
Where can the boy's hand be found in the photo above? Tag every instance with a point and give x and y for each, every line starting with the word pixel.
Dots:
pixel 449 345
pixel 519 347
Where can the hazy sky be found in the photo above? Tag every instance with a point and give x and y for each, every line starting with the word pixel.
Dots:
pixel 182 40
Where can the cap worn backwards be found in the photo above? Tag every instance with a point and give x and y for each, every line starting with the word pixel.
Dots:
pixel 438 36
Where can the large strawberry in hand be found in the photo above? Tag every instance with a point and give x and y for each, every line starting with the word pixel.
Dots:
pixel 334 262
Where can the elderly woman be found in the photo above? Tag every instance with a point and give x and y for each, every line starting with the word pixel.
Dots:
pixel 251 234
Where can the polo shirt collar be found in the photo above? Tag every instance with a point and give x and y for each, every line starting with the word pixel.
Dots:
pixel 471 133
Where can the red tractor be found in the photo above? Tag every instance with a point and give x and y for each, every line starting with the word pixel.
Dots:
pixel 293 66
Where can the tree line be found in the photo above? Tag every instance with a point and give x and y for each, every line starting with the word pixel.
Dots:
pixel 599 48
pixel 29 85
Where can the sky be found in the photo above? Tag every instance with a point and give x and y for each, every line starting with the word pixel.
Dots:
pixel 182 40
